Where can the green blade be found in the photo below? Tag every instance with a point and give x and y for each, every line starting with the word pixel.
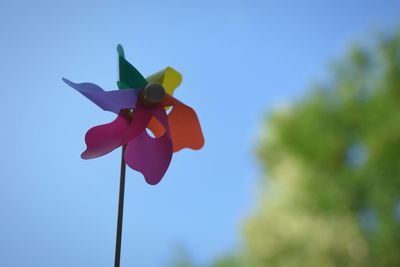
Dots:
pixel 129 76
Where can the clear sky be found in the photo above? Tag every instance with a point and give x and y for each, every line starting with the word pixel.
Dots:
pixel 239 59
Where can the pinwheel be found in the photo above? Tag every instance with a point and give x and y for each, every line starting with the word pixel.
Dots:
pixel 150 125
pixel 141 104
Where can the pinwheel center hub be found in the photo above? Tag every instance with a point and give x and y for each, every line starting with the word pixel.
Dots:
pixel 153 93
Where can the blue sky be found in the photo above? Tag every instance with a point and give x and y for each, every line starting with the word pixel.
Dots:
pixel 239 60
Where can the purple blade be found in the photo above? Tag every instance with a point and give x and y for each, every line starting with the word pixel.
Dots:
pixel 112 101
pixel 148 155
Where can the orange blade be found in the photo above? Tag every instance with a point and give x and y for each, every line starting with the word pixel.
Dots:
pixel 184 126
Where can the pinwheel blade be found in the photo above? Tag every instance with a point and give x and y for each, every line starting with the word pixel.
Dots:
pixel 140 119
pixel 103 139
pixel 150 156
pixel 156 127
pixel 129 76
pixel 184 126
pixel 168 77
pixel 112 101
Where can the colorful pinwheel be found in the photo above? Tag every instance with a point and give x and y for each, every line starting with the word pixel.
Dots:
pixel 142 104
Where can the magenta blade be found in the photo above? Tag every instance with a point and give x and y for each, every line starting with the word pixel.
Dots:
pixel 103 139
pixel 148 155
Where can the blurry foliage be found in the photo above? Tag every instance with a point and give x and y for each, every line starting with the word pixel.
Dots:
pixel 332 196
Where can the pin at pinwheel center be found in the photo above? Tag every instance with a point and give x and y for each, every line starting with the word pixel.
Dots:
pixel 154 93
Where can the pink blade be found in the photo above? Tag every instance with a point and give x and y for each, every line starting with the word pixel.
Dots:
pixel 103 139
pixel 151 156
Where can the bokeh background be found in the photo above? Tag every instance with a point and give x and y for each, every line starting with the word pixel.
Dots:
pixel 299 104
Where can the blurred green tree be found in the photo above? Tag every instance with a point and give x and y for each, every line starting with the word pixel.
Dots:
pixel 332 196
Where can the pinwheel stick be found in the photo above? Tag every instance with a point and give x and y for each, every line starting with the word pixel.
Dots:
pixel 153 93
pixel 120 210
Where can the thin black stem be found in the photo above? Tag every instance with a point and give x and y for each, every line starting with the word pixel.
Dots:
pixel 120 210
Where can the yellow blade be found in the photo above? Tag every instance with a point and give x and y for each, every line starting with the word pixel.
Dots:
pixel 168 77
